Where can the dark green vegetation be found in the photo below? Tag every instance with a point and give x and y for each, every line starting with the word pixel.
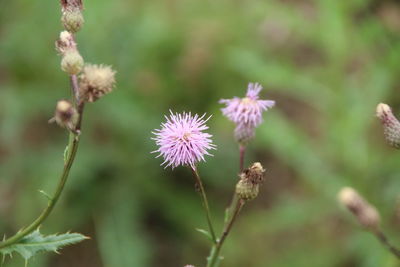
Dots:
pixel 327 63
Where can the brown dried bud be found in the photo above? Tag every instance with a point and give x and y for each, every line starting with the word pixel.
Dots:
pixel 366 214
pixel 66 4
pixel 65 114
pixel 254 174
pixel 250 179
pixel 391 126
pixel 96 81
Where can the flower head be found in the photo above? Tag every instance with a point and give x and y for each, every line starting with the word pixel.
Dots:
pixel 246 112
pixel 181 139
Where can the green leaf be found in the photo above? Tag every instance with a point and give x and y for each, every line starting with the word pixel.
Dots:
pixel 206 233
pixel 35 242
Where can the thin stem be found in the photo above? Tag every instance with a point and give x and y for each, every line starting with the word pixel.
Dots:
pixel 72 149
pixel 203 195
pixel 384 240
pixel 74 88
pixel 242 150
pixel 214 255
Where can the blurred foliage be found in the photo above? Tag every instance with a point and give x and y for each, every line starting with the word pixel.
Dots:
pixel 327 63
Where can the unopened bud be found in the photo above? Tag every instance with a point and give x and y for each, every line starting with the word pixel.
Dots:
pixel 247 190
pixel 72 62
pixel 96 81
pixel 391 126
pixel 366 214
pixel 65 43
pixel 65 114
pixel 72 19
pixel 244 133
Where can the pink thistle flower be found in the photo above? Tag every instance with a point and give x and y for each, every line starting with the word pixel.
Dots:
pixel 246 112
pixel 181 139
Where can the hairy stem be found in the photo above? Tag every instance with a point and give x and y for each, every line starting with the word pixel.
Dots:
pixel 203 195
pixel 71 153
pixel 384 240
pixel 213 259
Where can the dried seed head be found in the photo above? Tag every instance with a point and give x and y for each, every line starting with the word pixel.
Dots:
pixel 366 214
pixel 391 126
pixel 246 190
pixel 96 81
pixel 72 19
pixel 254 174
pixel 72 62
pixel 65 114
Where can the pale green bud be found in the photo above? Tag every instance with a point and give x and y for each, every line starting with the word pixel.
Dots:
pixel 72 62
pixel 247 190
pixel 72 19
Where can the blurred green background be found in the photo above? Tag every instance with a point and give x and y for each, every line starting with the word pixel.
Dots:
pixel 327 63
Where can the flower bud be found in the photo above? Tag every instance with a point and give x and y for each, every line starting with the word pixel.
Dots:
pixel 65 42
pixel 72 19
pixel 391 126
pixel 244 133
pixel 65 114
pixel 247 190
pixel 72 62
pixel 96 81
pixel 248 186
pixel 366 214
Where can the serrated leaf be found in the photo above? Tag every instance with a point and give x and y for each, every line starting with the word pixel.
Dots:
pixel 35 242
pixel 206 233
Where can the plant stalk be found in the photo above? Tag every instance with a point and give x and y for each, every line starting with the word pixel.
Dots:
pixel 384 240
pixel 213 259
pixel 71 153
pixel 203 195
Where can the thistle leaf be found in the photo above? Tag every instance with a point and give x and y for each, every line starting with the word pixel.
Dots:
pixel 35 242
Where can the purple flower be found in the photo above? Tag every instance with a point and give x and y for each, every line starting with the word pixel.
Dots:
pixel 181 139
pixel 246 112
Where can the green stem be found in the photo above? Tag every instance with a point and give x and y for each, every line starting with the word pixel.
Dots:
pixel 71 153
pixel 72 149
pixel 383 239
pixel 213 259
pixel 205 202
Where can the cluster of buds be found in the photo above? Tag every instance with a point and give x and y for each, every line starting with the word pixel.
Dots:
pixel 391 126
pixel 94 81
pixel 72 61
pixel 72 17
pixel 65 115
pixel 250 179
pixel 365 213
